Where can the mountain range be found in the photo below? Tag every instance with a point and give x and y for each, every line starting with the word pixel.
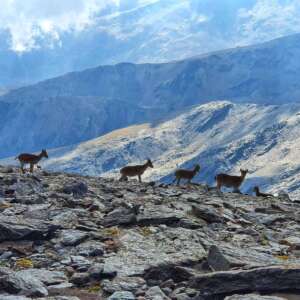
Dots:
pixel 231 109
pixel 138 32
pixel 83 105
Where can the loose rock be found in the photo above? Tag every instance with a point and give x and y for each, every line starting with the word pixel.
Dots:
pixel 122 296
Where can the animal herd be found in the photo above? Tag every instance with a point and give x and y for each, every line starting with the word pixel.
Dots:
pixel 222 180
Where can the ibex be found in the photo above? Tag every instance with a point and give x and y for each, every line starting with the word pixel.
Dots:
pixel 231 181
pixel 259 194
pixel 186 174
pixel 31 159
pixel 138 170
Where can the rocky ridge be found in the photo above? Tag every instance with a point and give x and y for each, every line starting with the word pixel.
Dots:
pixel 69 237
pixel 213 135
pixel 79 106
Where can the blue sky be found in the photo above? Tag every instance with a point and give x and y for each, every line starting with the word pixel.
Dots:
pixel 27 22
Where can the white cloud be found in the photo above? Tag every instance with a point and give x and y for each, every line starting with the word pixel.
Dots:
pixel 269 18
pixel 28 21
pixel 32 23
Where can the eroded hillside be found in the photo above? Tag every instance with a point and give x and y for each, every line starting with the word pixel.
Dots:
pixel 83 105
pixel 220 136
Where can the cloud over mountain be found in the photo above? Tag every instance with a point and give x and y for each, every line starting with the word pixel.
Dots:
pixel 269 18
pixel 30 21
pixel 40 41
pixel 31 25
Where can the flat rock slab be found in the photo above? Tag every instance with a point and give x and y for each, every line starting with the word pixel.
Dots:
pixel 122 296
pixel 250 256
pixel 78 189
pixel 119 216
pixel 253 297
pixel 217 260
pixel 159 214
pixel 165 272
pixel 207 213
pixel 142 250
pixel 130 284
pixel 45 276
pixel 270 279
pixel 156 293
pixel 59 298
pixel 22 284
pixel 72 237
pixel 90 248
pixel 11 297
pixel 12 229
pixel 23 247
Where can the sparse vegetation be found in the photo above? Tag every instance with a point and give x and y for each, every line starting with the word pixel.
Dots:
pixel 264 240
pixel 282 257
pixel 24 263
pixel 112 231
pixel 5 205
pixel 96 288
pixel 145 231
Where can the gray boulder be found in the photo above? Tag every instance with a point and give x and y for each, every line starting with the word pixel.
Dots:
pixel 253 297
pixel 45 276
pixel 155 293
pixel 275 278
pixel 217 260
pixel 122 296
pixel 78 189
pixel 24 284
pixel 12 229
pixel 72 237
pixel 207 213
pixel 90 248
pixel 11 297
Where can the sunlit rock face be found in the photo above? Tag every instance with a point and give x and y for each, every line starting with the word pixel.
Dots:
pixel 220 136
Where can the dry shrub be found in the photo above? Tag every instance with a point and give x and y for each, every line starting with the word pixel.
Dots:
pixel 24 263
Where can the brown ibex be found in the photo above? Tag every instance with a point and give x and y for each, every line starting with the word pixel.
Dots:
pixel 231 181
pixel 138 170
pixel 31 159
pixel 186 174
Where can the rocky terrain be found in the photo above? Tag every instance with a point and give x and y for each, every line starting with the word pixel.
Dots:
pixel 69 237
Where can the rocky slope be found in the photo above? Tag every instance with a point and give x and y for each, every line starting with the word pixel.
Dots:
pixel 85 105
pixel 221 136
pixel 96 238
